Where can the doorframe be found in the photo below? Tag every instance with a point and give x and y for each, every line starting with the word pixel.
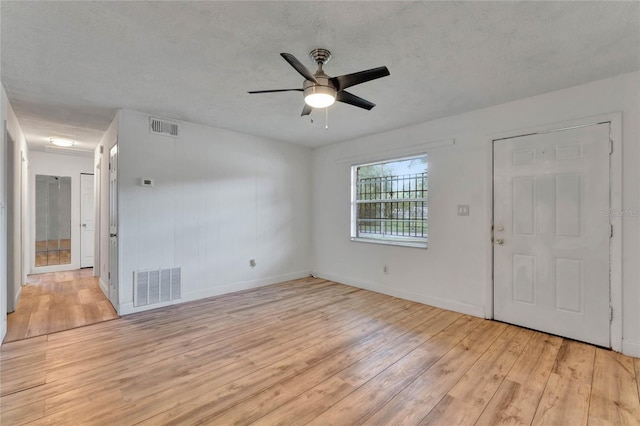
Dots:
pixel 80 224
pixel 25 218
pixel 11 175
pixel 114 291
pixel 4 230
pixel 615 203
pixel 97 194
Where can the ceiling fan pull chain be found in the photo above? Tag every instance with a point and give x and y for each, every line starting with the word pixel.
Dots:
pixel 326 118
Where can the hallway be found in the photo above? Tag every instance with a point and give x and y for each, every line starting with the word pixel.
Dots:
pixel 58 301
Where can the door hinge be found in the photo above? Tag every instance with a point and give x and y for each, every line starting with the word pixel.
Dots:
pixel 610 313
pixel 610 146
pixel 109 275
pixel 610 231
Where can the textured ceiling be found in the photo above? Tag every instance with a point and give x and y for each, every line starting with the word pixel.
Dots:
pixel 68 66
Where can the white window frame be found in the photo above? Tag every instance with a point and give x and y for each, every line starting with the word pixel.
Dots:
pixel 386 240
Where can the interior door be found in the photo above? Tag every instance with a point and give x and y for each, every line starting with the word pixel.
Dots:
pixel 552 231
pixel 113 226
pixel 87 220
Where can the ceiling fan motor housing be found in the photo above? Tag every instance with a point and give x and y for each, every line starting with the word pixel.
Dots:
pixel 324 86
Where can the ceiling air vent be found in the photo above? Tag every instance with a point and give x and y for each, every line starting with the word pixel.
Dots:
pixel 162 127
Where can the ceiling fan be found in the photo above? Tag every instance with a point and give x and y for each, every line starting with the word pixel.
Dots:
pixel 320 90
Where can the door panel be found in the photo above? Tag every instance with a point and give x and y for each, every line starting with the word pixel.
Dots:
pixel 113 226
pixel 551 232
pixel 87 221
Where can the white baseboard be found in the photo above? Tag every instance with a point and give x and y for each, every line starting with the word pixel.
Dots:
pixel 631 348
pixel 55 268
pixel 3 328
pixel 451 305
pixel 17 298
pixel 104 287
pixel 128 308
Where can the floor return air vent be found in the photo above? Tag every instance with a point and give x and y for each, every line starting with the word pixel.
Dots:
pixel 156 286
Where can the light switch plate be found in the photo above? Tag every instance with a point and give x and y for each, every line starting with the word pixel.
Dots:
pixel 463 209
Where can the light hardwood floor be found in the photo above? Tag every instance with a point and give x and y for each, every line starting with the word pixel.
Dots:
pixel 58 301
pixel 312 352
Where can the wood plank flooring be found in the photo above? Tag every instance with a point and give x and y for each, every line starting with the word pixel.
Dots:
pixel 312 352
pixel 58 301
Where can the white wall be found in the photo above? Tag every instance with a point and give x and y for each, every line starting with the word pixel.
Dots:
pixel 44 163
pixel 4 102
pixel 19 182
pixel 220 199
pixel 454 271
pixel 11 251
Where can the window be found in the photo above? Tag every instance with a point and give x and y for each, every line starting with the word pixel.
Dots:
pixel 389 202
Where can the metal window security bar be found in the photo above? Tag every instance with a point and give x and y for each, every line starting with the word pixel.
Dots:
pixel 392 207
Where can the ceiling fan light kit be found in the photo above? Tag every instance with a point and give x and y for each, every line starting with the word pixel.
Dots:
pixel 318 96
pixel 321 90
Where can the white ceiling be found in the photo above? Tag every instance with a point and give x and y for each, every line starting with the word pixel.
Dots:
pixel 68 66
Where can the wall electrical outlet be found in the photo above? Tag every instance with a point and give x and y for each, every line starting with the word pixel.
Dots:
pixel 463 209
pixel 252 263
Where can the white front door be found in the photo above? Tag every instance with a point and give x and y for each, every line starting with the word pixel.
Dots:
pixel 87 221
pixel 551 232
pixel 113 226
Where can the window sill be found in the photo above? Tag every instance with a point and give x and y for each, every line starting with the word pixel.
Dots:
pixel 391 242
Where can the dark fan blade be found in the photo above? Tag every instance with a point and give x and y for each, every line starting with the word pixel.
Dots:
pixel 298 66
pixel 277 90
pixel 306 110
pixel 343 81
pixel 351 99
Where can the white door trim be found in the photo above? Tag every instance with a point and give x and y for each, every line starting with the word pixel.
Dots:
pixel 97 176
pixel 82 248
pixel 615 120
pixel 114 261
pixel 24 218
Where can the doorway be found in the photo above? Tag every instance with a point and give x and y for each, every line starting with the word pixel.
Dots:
pixel 65 296
pixel 58 301
pixel 551 251
pixel 53 242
